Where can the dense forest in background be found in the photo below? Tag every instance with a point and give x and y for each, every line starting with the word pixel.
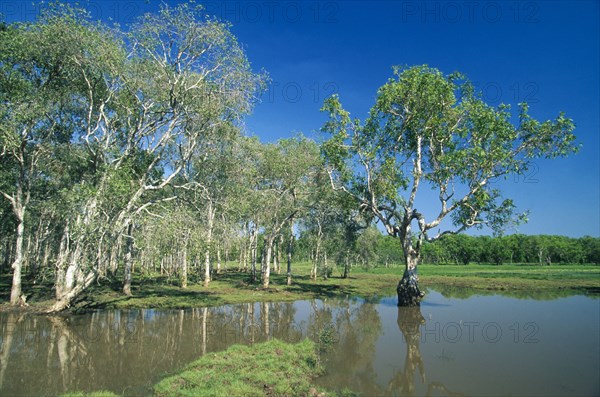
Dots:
pixel 373 248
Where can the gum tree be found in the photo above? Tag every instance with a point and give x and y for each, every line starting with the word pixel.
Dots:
pixel 177 79
pixel 287 173
pixel 42 76
pixel 430 130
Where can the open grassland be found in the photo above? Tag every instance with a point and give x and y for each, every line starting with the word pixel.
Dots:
pixel 231 287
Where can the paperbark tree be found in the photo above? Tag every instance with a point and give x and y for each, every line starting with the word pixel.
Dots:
pixel 430 129
pixel 39 85
pixel 286 172
pixel 142 132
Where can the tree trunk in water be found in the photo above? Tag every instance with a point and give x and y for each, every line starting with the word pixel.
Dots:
pixel 408 290
pixel 128 261
pixel 15 292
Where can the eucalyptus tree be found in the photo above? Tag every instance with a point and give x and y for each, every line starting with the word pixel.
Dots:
pixel 286 174
pixel 323 220
pixel 213 183
pixel 430 129
pixel 42 77
pixel 178 79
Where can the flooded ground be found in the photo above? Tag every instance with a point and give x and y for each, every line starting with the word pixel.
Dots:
pixel 481 345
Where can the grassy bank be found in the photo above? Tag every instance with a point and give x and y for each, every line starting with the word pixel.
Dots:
pixel 272 368
pixel 234 287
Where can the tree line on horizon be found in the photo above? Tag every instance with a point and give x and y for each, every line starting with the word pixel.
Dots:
pixel 122 152
pixel 373 248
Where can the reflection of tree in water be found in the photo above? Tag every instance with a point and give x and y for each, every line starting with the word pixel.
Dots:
pixel 126 351
pixel 356 329
pixel 403 382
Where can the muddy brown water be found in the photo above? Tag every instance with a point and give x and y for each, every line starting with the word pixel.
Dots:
pixel 478 346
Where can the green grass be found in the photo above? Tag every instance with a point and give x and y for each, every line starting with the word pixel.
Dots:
pixel 232 287
pixel 273 368
pixel 270 369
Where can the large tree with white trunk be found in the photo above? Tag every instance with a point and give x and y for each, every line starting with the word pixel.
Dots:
pixel 133 108
pixel 431 130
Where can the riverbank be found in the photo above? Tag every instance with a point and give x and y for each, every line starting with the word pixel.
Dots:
pixel 272 368
pixel 232 287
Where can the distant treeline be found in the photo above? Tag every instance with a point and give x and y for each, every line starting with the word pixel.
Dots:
pixel 375 249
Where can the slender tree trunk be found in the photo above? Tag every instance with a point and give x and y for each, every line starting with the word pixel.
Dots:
pixel 218 260
pixel 278 255
pixel 289 254
pixel 209 235
pixel 184 268
pixel 16 297
pixel 317 259
pixel 253 253
pixel 346 264
pixel 114 256
pixel 275 249
pixel 128 261
pixel 206 268
pixel 266 262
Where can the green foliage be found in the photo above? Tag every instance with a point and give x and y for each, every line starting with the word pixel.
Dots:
pixel 427 128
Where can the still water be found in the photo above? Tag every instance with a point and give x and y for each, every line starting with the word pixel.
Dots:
pixel 478 346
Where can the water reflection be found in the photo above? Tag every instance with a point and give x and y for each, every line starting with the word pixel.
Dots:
pixel 409 322
pixel 126 351
pixel 356 329
pixel 447 347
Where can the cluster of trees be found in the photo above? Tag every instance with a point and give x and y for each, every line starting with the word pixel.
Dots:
pixel 372 248
pixel 122 151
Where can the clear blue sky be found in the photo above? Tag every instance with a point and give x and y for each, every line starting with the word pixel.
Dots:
pixel 544 52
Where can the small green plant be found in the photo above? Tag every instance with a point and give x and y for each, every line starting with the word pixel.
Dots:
pixel 326 272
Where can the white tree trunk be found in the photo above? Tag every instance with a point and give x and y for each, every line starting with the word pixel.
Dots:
pixel 128 261
pixel 266 263
pixel 16 297
pixel 209 235
pixel 184 268
pixel 289 254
